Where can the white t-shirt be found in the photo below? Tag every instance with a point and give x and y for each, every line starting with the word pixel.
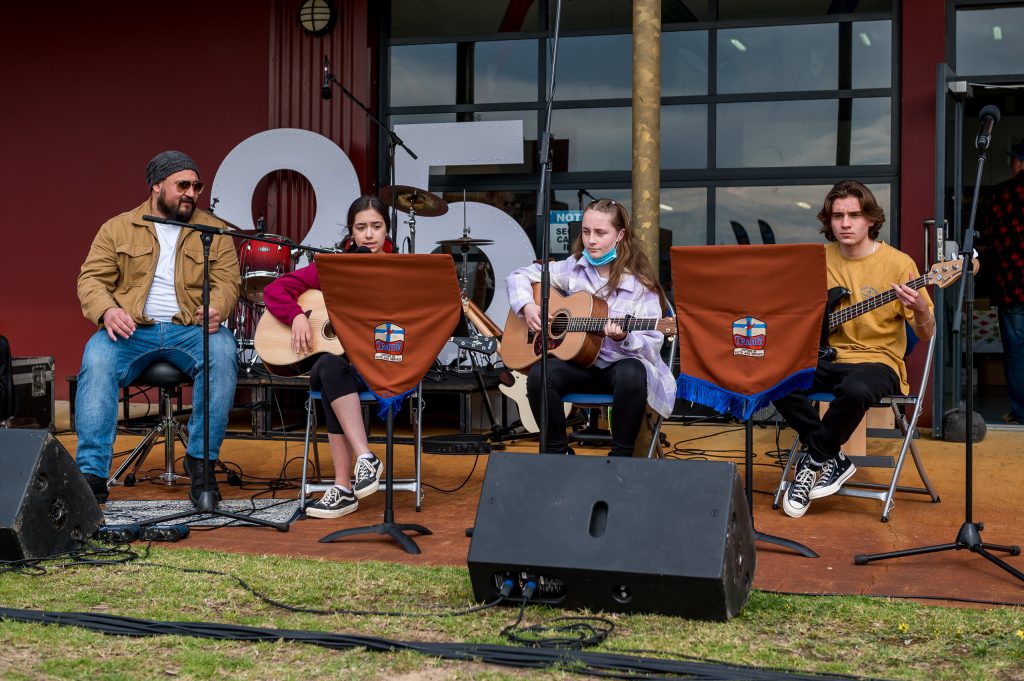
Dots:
pixel 162 302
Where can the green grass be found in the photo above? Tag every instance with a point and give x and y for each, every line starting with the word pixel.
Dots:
pixel 850 635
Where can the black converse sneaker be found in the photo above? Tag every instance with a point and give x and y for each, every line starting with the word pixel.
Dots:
pixel 834 473
pixel 368 469
pixel 797 499
pixel 335 503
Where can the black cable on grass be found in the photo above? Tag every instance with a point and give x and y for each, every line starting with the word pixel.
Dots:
pixel 89 553
pixel 607 665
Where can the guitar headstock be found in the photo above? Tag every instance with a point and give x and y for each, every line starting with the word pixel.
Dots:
pixel 667 325
pixel 944 273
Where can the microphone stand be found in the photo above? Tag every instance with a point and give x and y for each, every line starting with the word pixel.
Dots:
pixel 393 142
pixel 207 499
pixel 543 209
pixel 969 536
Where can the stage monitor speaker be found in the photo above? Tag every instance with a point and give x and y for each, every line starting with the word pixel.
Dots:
pixel 615 534
pixel 46 506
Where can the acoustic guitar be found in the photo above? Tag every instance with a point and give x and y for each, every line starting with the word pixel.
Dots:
pixel 273 338
pixel 941 274
pixel 574 331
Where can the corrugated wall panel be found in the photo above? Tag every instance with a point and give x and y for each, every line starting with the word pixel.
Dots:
pixel 296 69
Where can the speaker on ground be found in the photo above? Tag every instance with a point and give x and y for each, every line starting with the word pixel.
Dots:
pixel 46 506
pixel 615 534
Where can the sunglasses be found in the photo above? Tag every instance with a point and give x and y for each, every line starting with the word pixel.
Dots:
pixel 183 186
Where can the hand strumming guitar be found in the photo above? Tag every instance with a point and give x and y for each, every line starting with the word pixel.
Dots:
pixel 302 335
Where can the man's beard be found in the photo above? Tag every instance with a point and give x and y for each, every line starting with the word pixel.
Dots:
pixel 182 212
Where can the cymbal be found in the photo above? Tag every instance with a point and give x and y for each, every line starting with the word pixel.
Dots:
pixel 409 199
pixel 465 241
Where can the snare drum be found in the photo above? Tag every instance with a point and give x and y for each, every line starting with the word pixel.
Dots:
pixel 260 263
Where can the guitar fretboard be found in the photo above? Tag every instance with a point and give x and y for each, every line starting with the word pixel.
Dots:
pixel 595 324
pixel 847 313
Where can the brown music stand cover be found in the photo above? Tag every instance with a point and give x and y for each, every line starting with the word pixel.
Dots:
pixel 750 320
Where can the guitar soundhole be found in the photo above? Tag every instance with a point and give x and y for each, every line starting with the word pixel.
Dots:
pixel 329 331
pixel 559 325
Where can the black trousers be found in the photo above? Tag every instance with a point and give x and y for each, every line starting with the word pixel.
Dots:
pixel 857 388
pixel 626 380
pixel 334 377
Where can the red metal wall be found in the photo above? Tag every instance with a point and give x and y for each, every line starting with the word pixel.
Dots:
pixel 94 90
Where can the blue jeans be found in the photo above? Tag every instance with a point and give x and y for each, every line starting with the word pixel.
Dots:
pixel 108 366
pixel 1011 329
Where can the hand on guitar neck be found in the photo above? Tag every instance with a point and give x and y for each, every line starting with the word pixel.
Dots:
pixel 941 274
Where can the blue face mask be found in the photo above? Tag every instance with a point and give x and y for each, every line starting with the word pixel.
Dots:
pixel 603 260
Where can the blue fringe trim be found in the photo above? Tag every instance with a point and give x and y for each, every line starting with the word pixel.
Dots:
pixel 392 404
pixel 737 404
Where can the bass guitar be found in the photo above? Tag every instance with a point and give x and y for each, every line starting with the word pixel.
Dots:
pixel 941 274
pixel 574 331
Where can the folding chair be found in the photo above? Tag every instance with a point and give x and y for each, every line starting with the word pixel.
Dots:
pixel 366 399
pixel 907 430
pixel 596 403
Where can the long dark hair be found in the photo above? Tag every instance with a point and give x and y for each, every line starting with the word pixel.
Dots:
pixel 629 259
pixel 868 206
pixel 367 202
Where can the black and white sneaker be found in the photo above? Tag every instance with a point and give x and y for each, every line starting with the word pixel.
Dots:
pixel 368 469
pixel 335 503
pixel 834 473
pixel 798 499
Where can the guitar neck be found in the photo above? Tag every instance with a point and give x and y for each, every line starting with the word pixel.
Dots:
pixel 596 324
pixel 847 313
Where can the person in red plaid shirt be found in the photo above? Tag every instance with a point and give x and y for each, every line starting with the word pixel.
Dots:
pixel 1001 229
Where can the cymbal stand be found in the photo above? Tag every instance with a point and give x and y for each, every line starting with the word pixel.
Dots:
pixel 412 229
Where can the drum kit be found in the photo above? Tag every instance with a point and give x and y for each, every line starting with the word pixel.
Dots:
pixel 261 262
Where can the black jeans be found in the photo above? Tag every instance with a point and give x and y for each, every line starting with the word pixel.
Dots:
pixel 626 380
pixel 334 377
pixel 857 387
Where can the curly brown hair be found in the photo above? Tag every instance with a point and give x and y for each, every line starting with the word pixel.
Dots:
pixel 629 259
pixel 868 206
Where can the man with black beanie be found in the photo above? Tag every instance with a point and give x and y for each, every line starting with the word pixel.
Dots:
pixel 142 284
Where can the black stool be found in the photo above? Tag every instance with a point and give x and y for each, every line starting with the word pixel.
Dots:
pixel 169 380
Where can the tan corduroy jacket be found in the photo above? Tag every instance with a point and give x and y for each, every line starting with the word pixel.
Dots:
pixel 119 268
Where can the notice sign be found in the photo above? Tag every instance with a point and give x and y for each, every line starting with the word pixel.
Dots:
pixel 559 221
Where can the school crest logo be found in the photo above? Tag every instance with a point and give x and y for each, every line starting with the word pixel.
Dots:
pixel 749 335
pixel 388 342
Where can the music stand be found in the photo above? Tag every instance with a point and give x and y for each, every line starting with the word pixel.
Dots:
pixel 392 314
pixel 207 500
pixel 741 346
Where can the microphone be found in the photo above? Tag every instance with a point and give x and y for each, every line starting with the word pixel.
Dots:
pixel 583 192
pixel 361 249
pixel 325 89
pixel 989 117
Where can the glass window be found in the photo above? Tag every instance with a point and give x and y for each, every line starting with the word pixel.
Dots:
pixel 594 139
pixel 777 134
pixel 684 215
pixel 684 136
pixel 422 75
pixel 413 18
pixel 779 214
pixel 990 41
pixel 778 58
pixel 871 131
pixel 594 67
pixel 872 54
pixel 505 71
pixel 759 9
pixel 684 63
